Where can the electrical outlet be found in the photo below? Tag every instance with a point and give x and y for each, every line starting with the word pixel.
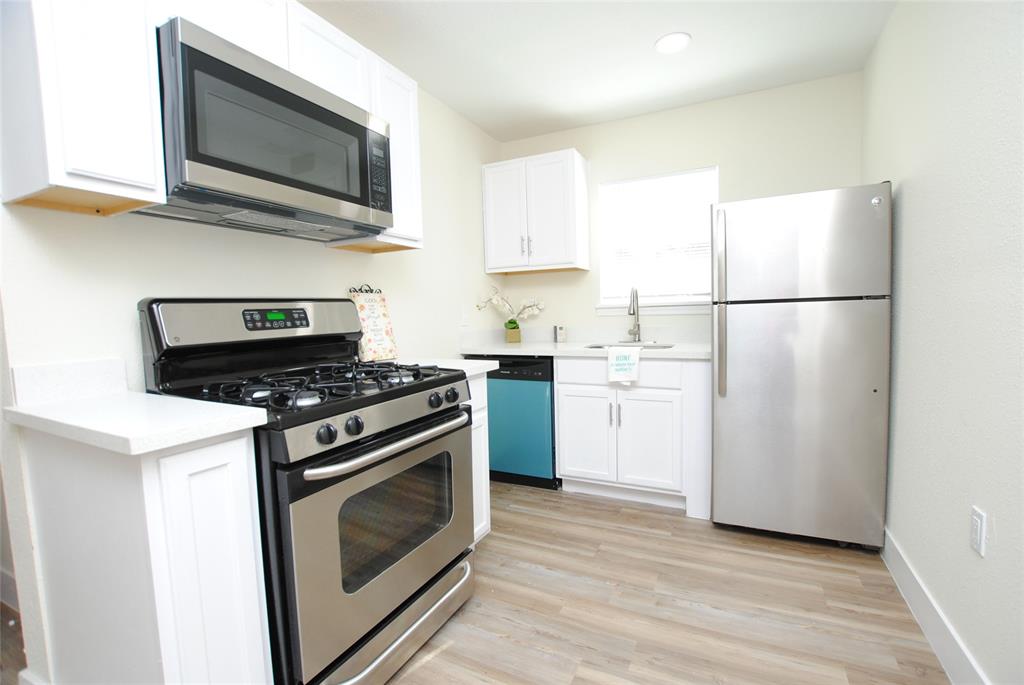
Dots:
pixel 978 531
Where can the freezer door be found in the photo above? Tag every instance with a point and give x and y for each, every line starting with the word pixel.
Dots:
pixel 832 243
pixel 801 409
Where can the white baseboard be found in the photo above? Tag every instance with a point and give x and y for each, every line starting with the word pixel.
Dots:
pixel 27 677
pixel 662 499
pixel 8 590
pixel 959 663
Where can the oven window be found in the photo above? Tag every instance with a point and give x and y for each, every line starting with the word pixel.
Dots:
pixel 383 523
pixel 241 123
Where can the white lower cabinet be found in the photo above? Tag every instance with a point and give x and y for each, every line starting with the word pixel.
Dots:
pixel 650 441
pixel 650 437
pixel 586 431
pixel 629 436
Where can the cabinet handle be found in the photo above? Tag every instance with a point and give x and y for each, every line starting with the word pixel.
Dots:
pixel 609 413
pixel 522 245
pixel 619 407
pixel 529 246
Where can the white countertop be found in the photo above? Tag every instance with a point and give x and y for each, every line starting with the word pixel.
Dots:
pixel 136 422
pixel 472 367
pixel 553 349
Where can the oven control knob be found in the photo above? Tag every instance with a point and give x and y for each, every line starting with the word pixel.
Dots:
pixel 435 400
pixel 354 425
pixel 326 434
pixel 452 395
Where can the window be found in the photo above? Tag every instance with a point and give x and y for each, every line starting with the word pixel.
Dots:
pixel 656 237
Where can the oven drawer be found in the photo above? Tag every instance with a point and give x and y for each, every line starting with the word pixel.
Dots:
pixel 365 541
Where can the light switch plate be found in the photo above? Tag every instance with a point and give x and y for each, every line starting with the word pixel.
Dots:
pixel 978 531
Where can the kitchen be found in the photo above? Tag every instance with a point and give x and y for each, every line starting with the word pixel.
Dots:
pixel 929 98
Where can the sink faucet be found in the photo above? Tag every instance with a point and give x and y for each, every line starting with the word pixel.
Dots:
pixel 634 311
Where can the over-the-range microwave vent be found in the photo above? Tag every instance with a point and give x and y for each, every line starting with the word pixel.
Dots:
pixel 230 211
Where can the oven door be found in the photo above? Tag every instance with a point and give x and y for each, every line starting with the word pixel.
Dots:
pixel 237 124
pixel 376 527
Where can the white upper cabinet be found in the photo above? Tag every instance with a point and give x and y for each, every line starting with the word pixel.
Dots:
pixel 505 215
pixel 81 118
pixel 258 26
pixel 326 57
pixel 395 99
pixel 535 213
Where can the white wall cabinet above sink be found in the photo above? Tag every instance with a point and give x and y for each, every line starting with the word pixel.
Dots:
pixel 535 213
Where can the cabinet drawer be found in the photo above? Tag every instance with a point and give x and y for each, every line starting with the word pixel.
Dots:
pixel 654 373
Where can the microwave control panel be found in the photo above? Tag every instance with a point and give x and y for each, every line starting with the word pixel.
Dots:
pixel 380 172
pixel 265 319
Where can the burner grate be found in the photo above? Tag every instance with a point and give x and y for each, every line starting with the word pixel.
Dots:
pixel 297 389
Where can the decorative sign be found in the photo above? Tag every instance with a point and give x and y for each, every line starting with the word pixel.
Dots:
pixel 378 341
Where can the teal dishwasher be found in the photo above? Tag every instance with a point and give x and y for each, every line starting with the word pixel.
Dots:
pixel 520 421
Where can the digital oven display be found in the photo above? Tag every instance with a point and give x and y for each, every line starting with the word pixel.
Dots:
pixel 263 319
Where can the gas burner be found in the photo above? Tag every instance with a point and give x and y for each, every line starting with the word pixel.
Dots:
pixel 297 399
pixel 398 377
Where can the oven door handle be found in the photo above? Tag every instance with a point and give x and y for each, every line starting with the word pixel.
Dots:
pixel 370 458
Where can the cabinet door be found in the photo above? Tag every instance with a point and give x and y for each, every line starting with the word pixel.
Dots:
pixel 106 86
pixel 481 477
pixel 586 432
pixel 505 215
pixel 209 577
pixel 650 437
pixel 549 197
pixel 395 100
pixel 324 56
pixel 257 26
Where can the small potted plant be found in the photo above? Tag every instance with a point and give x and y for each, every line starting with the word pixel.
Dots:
pixel 527 308
pixel 513 333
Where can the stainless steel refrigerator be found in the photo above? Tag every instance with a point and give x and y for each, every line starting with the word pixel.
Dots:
pixel 800 318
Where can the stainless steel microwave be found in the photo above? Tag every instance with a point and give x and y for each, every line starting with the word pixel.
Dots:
pixel 250 145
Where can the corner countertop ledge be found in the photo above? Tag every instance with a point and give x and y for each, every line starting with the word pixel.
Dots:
pixel 472 367
pixel 553 349
pixel 135 422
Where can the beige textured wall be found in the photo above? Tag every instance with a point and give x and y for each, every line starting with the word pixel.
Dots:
pixel 784 140
pixel 943 120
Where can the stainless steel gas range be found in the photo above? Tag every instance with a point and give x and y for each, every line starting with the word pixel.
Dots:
pixel 364 475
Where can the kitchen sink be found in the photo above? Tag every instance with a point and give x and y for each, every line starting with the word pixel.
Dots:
pixel 645 345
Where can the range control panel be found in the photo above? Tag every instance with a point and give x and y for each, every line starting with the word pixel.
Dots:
pixel 262 319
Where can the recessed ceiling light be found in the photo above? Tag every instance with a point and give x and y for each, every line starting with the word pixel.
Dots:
pixel 672 43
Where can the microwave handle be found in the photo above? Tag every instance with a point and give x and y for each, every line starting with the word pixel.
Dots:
pixel 370 458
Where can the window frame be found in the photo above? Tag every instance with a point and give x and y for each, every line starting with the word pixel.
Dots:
pixel 659 305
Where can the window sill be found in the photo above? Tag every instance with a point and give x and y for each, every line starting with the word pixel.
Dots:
pixel 701 308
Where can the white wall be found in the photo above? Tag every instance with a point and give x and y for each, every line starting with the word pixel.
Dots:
pixel 792 139
pixel 71 282
pixel 943 120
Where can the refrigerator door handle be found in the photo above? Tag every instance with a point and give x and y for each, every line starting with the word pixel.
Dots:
pixel 720 294
pixel 722 350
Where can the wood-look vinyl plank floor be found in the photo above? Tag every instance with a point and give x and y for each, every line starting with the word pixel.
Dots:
pixel 583 590
pixel 580 590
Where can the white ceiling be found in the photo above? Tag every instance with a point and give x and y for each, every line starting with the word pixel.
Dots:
pixel 519 69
